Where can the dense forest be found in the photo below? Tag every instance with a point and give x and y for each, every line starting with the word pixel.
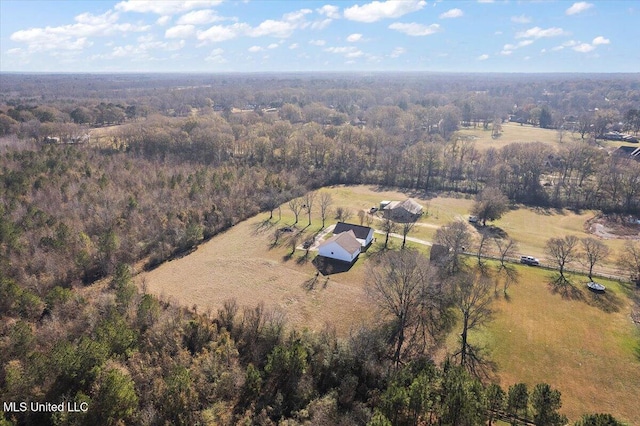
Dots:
pixel 185 157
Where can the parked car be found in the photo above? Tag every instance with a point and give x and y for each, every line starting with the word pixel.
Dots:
pixel 529 260
pixel 473 219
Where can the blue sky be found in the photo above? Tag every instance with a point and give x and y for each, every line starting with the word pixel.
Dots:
pixel 270 36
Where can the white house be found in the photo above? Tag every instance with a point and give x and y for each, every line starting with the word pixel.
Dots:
pixel 343 246
pixel 364 234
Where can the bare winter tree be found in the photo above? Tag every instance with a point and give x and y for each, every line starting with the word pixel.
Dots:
pixel 594 251
pixel 309 200
pixel 505 271
pixel 325 203
pixel 481 247
pixel 388 227
pixel 406 228
pixel 456 238
pixel 343 214
pixel 472 297
pixel 629 261
pixel 407 294
pixel 296 205
pixel 506 248
pixel 562 251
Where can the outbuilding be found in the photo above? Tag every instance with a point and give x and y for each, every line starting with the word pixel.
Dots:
pixel 405 211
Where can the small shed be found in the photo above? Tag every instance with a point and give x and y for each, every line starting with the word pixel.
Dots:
pixel 343 246
pixel 364 234
pixel 405 211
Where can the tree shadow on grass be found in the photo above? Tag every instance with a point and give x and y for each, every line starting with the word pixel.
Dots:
pixel 606 301
pixel 303 259
pixel 562 286
pixel 311 283
pixel 478 364
pixel 264 226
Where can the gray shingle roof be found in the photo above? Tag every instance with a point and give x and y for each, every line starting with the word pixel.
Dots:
pixel 360 231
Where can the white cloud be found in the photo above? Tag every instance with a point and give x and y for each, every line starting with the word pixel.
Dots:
pixel 218 33
pixel 452 13
pixel 269 28
pixel 507 49
pixel 578 7
pixel 600 40
pixel 354 37
pixel 329 11
pixel 537 32
pixel 522 19
pixel 254 49
pixel 180 31
pixel 216 56
pixel 74 36
pixel 569 43
pixel 483 57
pixel 165 7
pixel 397 52
pixel 377 10
pixel 318 42
pixel 414 29
pixel 485 1
pixel 322 24
pixel 296 16
pixel 199 17
pixel 273 46
pixel 584 48
pixel 347 51
pixel 163 20
pixel 294 46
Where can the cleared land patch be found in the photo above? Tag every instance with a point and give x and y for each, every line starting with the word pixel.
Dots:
pixel 512 132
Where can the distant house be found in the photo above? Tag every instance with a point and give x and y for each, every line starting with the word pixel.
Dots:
pixel 627 152
pixel 363 234
pixel 405 211
pixel 343 246
pixel 51 139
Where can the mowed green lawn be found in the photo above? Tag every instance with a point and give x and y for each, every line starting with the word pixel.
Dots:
pixel 586 346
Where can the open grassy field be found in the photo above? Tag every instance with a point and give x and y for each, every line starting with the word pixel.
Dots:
pixel 243 264
pixel 587 347
pixel 512 132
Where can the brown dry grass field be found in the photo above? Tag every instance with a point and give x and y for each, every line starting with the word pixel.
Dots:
pixel 585 347
pixel 512 132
